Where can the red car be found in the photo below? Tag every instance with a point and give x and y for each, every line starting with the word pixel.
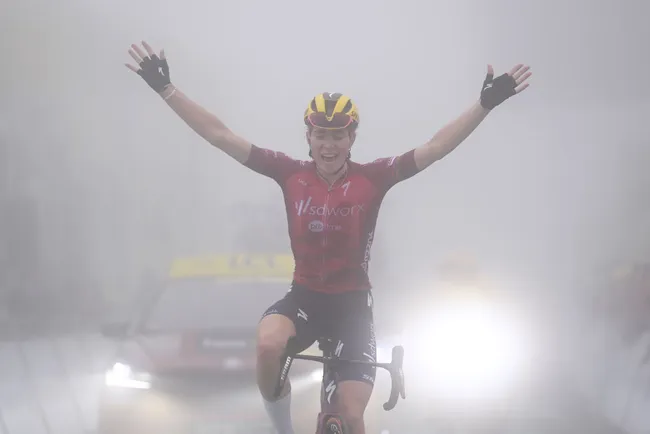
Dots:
pixel 186 363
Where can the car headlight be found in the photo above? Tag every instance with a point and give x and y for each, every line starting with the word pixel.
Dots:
pixel 466 348
pixel 122 375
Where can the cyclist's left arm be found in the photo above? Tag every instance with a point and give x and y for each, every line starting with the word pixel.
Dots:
pixel 386 172
pixel 450 136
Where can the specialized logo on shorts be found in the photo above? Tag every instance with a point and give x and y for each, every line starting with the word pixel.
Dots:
pixel 303 315
pixel 368 378
pixel 339 348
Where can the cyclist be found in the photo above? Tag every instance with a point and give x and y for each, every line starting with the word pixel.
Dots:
pixel 332 205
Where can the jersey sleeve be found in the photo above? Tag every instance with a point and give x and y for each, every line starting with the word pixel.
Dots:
pixel 273 164
pixel 386 172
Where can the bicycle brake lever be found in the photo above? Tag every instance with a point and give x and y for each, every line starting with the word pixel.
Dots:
pixel 396 377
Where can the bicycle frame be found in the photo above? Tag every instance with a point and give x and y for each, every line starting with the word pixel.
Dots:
pixel 394 368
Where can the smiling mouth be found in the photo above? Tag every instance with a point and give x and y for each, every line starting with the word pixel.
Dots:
pixel 329 158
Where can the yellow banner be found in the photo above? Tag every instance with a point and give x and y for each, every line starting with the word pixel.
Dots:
pixel 258 266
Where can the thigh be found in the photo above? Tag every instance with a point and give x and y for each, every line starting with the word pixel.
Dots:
pixel 353 338
pixel 291 309
pixel 353 334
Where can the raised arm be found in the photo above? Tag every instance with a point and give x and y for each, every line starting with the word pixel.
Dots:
pixel 155 71
pixel 206 125
pixel 493 93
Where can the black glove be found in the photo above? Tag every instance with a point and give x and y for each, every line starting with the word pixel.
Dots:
pixel 155 71
pixel 497 90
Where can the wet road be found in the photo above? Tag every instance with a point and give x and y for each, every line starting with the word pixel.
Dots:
pixel 54 386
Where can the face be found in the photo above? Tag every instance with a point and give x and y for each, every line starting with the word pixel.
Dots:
pixel 330 148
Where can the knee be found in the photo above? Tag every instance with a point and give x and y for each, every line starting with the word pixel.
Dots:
pixel 272 335
pixel 352 402
pixel 269 345
pixel 353 417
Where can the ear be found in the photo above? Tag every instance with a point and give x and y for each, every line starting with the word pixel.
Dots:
pixel 353 137
pixel 308 137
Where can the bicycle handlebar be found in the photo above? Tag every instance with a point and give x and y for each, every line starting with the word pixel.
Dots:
pixel 396 378
pixel 394 368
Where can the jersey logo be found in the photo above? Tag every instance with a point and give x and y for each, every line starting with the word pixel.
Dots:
pixel 345 187
pixel 302 206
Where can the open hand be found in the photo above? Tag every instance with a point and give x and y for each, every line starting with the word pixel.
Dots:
pixel 152 68
pixel 496 90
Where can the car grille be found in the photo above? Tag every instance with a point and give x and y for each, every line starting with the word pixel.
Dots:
pixel 200 384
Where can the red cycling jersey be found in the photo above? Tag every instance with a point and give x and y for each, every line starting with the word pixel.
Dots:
pixel 332 228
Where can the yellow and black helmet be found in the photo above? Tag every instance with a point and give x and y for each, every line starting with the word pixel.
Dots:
pixel 331 111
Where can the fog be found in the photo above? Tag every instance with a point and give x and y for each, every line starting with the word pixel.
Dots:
pixel 103 185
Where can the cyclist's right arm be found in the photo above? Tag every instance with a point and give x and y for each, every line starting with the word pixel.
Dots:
pixel 207 125
pixel 275 165
pixel 154 70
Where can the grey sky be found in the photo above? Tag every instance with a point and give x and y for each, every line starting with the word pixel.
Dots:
pixel 121 185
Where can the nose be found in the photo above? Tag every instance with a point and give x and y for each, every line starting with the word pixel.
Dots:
pixel 327 146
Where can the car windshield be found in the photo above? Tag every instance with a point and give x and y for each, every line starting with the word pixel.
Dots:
pixel 203 304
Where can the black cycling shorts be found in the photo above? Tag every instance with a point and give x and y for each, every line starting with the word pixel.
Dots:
pixel 344 318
